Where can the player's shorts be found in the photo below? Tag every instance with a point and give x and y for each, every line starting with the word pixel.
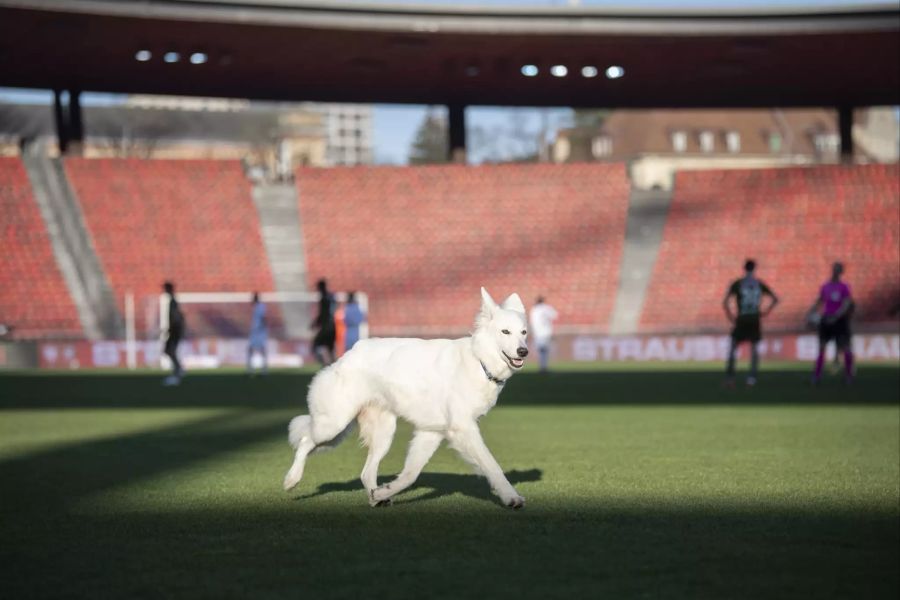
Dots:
pixel 747 329
pixel 171 345
pixel 258 340
pixel 839 331
pixel 325 337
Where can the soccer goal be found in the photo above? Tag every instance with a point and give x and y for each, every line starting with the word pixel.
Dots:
pixel 218 325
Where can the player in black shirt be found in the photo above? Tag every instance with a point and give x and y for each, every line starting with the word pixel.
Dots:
pixel 324 323
pixel 748 292
pixel 173 335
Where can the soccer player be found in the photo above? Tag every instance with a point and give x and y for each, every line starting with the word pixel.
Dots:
pixel 748 292
pixel 173 335
pixel 353 318
pixel 836 362
pixel 541 317
pixel 835 302
pixel 324 323
pixel 259 334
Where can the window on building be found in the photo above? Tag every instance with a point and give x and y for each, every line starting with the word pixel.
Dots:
pixel 774 142
pixel 827 143
pixel 679 141
pixel 733 141
pixel 601 146
pixel 707 141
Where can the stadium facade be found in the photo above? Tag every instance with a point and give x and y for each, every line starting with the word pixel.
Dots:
pixel 86 234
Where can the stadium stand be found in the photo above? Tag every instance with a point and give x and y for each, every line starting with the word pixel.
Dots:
pixel 420 241
pixel 795 222
pixel 34 298
pixel 190 221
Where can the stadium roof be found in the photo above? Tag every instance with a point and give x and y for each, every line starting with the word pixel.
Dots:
pixel 469 55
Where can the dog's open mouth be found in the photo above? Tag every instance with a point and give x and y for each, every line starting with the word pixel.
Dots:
pixel 515 363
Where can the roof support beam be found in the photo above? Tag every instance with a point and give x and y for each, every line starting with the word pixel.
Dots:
pixel 456 115
pixel 845 125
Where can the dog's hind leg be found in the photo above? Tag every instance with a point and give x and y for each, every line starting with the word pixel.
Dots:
pixel 295 473
pixel 421 449
pixel 323 434
pixel 376 429
pixel 333 405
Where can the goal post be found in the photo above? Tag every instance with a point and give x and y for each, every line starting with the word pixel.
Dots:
pixel 218 325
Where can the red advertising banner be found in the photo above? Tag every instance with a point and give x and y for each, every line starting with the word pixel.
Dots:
pixel 218 352
pixel 194 354
pixel 701 348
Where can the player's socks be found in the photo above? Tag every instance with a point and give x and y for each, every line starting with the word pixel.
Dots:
pixel 848 365
pixel 820 362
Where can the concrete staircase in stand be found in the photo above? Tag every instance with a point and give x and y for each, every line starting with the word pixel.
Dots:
pixel 279 216
pixel 647 212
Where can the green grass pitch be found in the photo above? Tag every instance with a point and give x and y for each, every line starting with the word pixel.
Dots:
pixel 641 482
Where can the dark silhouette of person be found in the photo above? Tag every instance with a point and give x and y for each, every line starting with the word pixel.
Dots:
pixel 324 325
pixel 748 293
pixel 173 335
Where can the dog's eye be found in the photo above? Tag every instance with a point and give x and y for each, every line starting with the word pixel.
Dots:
pixel 505 332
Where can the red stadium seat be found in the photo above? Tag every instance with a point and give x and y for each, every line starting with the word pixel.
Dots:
pixel 422 240
pixel 795 222
pixel 189 221
pixel 34 298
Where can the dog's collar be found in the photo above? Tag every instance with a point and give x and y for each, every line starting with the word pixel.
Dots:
pixel 491 378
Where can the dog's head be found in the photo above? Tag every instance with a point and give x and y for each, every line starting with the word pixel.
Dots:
pixel 505 326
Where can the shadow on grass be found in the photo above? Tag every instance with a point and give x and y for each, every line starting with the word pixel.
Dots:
pixel 55 478
pixel 654 386
pixel 439 550
pixel 438 484
pixel 271 547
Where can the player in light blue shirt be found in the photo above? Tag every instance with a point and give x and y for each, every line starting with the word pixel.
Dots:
pixel 353 318
pixel 259 335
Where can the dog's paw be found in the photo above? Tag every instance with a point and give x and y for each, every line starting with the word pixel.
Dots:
pixel 378 500
pixel 380 494
pixel 515 503
pixel 290 482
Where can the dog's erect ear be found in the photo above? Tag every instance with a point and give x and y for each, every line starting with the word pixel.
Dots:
pixel 487 303
pixel 513 302
pixel 488 308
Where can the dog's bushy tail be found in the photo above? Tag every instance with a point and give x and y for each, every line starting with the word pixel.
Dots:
pixel 325 392
pixel 299 427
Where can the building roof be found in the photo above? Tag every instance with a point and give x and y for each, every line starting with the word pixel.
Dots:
pixel 650 131
pixel 352 52
pixel 253 125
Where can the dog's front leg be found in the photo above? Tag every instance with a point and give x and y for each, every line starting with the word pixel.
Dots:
pixel 469 443
pixel 423 446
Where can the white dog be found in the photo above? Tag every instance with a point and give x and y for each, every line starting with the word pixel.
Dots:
pixel 442 387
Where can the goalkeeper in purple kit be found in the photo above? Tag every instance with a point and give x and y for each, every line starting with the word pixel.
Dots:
pixel 836 305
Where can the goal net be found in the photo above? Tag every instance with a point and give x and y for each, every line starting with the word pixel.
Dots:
pixel 217 326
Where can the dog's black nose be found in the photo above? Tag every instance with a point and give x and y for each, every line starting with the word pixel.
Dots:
pixel 522 352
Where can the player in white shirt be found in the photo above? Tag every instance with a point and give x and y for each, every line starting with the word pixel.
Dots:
pixel 259 334
pixel 541 317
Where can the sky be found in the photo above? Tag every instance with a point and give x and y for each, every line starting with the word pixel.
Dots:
pixel 395 125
